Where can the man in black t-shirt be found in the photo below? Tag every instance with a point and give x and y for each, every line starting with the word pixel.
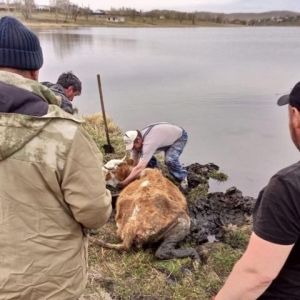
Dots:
pixel 270 267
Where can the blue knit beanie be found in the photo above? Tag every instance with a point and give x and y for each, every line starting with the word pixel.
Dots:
pixel 19 47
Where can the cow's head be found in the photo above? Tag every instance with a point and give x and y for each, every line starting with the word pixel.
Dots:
pixel 112 164
pixel 119 172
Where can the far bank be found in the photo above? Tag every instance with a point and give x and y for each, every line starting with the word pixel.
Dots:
pixel 48 19
pixel 67 14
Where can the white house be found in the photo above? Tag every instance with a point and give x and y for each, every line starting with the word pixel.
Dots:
pixel 42 8
pixel 116 19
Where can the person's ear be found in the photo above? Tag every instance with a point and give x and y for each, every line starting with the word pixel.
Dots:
pixel 70 89
pixel 295 117
pixel 34 75
pixel 30 74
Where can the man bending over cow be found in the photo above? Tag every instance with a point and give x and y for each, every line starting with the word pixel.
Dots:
pixel 155 138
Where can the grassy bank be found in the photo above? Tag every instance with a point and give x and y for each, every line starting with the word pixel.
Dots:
pixel 137 274
pixel 46 19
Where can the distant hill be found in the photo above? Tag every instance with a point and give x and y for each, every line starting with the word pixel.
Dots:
pixel 233 16
pixel 263 15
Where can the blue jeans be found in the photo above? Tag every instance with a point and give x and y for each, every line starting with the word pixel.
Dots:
pixel 172 157
pixel 153 163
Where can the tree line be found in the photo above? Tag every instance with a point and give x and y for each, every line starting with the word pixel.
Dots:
pixel 65 7
pixel 72 11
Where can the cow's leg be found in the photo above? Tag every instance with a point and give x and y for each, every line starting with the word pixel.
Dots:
pixel 167 248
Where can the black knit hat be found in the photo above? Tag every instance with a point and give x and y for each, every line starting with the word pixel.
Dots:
pixel 19 47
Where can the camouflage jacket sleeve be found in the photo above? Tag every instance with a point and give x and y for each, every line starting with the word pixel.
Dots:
pixel 83 182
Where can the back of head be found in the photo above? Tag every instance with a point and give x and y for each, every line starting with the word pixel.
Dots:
pixel 19 46
pixel 292 99
pixel 69 79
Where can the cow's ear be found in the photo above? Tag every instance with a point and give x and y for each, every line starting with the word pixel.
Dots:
pixel 130 162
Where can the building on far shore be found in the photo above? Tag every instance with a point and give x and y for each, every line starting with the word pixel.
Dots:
pixel 7 6
pixel 99 12
pixel 42 8
pixel 115 19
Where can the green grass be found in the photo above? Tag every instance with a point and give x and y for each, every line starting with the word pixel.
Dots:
pixel 219 176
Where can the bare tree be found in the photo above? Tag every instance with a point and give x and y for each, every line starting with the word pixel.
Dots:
pixel 75 11
pixel 60 6
pixel 17 5
pixel 220 18
pixel 65 7
pixel 26 8
pixel 150 15
pixel 168 15
pixel 133 13
pixel 55 6
pixel 207 17
pixel 193 17
pixel 7 5
pixel 180 16
pixel 85 11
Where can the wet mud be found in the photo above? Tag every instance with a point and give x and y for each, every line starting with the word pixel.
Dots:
pixel 211 213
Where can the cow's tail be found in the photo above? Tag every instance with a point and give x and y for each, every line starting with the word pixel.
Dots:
pixel 119 247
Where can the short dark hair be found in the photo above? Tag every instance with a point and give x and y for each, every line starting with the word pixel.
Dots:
pixel 68 79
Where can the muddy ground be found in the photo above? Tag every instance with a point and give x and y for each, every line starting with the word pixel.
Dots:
pixel 211 214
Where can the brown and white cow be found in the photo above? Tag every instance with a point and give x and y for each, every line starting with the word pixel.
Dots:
pixel 116 171
pixel 152 209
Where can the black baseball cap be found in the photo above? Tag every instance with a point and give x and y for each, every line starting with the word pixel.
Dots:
pixel 293 98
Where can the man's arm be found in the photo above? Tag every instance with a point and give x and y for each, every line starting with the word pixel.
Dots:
pixel 255 271
pixel 83 184
pixel 135 160
pixel 134 173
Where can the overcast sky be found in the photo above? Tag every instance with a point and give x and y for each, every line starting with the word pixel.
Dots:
pixel 225 6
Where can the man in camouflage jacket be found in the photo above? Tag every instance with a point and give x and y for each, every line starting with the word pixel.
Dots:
pixel 52 184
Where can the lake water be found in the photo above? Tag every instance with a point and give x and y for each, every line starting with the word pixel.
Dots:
pixel 220 84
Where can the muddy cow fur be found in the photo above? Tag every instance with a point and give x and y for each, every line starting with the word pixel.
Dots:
pixel 152 209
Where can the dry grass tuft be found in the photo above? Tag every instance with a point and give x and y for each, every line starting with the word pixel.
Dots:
pixel 94 125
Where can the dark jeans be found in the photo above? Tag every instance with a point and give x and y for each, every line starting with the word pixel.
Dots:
pixel 153 163
pixel 172 158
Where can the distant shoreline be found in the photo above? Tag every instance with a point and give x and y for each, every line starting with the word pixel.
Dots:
pixel 51 20
pixel 123 25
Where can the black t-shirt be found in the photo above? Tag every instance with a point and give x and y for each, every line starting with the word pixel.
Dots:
pixel 276 219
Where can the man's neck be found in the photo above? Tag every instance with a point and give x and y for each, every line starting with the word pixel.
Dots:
pixel 24 73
